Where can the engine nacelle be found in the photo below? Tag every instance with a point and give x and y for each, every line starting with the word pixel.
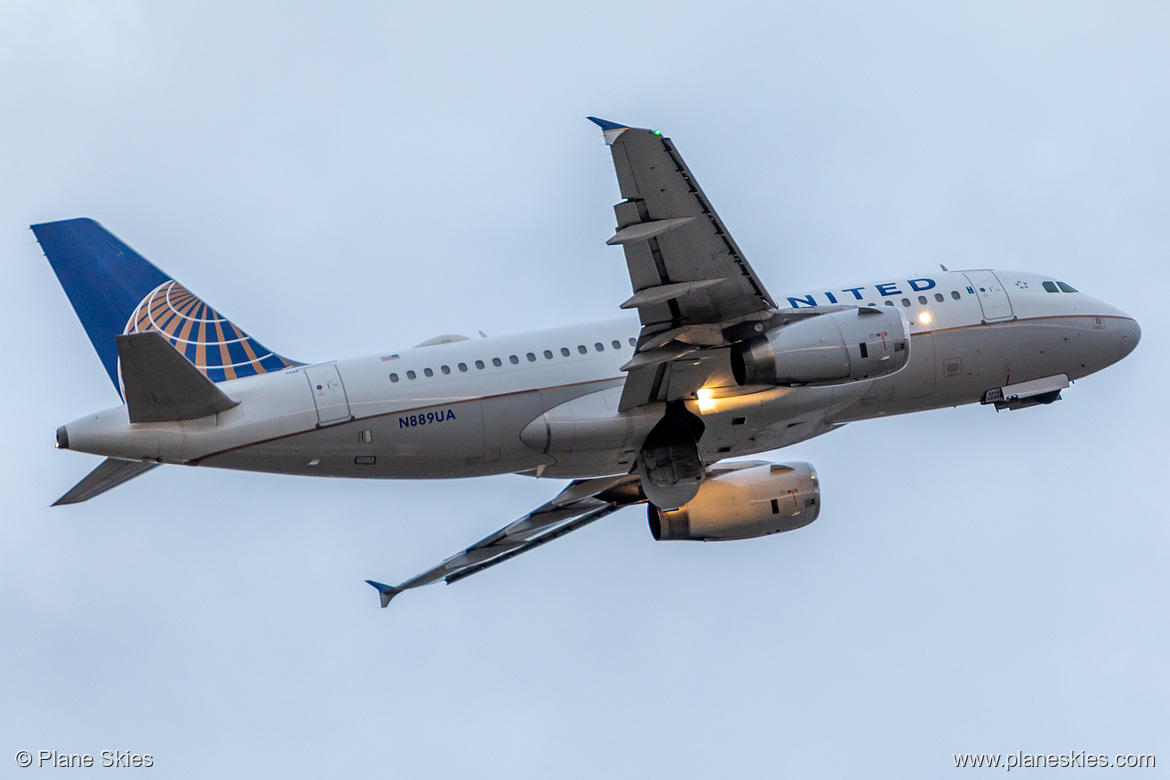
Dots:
pixel 828 349
pixel 756 499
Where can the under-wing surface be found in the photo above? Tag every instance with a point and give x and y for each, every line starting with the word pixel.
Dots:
pixel 652 411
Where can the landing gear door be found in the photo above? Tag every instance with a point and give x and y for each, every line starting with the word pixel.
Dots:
pixel 997 307
pixel 328 394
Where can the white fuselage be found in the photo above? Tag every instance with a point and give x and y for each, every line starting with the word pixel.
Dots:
pixel 521 404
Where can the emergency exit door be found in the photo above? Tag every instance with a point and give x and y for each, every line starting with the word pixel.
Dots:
pixel 328 394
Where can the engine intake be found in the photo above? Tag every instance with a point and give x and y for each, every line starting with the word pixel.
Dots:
pixel 755 499
pixel 828 349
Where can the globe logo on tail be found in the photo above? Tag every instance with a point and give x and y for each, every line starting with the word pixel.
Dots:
pixel 212 343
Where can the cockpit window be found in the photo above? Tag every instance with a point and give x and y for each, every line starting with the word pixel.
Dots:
pixel 1066 287
pixel 1051 287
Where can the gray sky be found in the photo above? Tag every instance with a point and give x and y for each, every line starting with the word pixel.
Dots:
pixel 341 182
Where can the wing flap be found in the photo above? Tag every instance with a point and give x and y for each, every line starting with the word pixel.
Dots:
pixel 642 386
pixel 545 538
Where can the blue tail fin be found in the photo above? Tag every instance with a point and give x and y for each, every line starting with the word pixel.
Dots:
pixel 115 290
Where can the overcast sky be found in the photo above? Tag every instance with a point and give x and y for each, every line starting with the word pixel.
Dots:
pixel 343 182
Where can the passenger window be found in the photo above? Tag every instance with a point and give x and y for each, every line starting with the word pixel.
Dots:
pixel 938 297
pixel 497 362
pixel 922 299
pixel 616 344
pixel 445 369
pixel 633 341
pixel 889 303
pixel 462 366
pixel 411 374
pixel 905 303
pixel 955 294
pixel 513 359
pixel 531 357
pixel 1051 287
pixel 394 377
pixel 428 372
pixel 582 349
pixel 599 347
pixel 548 354
pixel 1066 287
pixel 564 351
pixel 479 364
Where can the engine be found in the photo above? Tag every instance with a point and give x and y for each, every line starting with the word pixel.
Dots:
pixel 827 349
pixel 754 499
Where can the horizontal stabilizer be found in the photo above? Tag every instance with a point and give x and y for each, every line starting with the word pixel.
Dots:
pixel 111 473
pixel 160 385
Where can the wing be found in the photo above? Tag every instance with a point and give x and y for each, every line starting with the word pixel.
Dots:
pixel 691 282
pixel 576 506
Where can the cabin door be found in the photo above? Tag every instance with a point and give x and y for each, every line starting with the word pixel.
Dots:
pixel 328 394
pixel 992 297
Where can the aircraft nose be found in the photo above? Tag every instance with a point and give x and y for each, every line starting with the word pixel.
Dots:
pixel 1131 334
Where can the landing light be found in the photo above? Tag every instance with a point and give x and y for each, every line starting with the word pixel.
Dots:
pixel 924 318
pixel 706 399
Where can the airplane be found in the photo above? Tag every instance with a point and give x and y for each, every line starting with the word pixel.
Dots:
pixel 631 411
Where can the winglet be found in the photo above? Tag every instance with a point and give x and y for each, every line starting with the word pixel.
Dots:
pixel 607 125
pixel 609 130
pixel 385 591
